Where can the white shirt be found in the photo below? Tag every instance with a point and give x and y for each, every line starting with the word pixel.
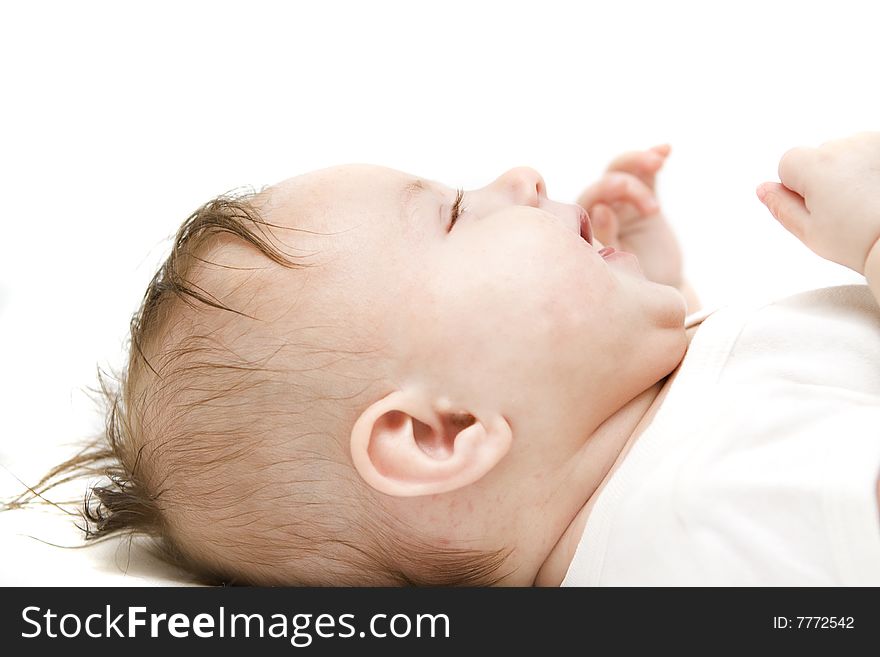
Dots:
pixel 760 467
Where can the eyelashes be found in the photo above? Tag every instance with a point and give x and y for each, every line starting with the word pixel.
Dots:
pixel 457 208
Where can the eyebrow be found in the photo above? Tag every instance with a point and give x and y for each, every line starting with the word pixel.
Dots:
pixel 408 196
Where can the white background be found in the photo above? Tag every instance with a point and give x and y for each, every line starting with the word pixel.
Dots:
pixel 118 120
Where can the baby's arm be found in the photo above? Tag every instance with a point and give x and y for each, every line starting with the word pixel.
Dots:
pixel 829 198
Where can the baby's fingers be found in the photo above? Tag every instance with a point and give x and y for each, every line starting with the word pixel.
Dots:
pixel 643 164
pixel 786 206
pixel 617 186
pixel 796 167
pixel 606 225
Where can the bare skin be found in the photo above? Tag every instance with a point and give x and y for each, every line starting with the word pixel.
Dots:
pixel 521 362
pixel 555 567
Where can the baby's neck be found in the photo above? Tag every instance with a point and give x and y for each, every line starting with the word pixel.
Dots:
pixel 637 413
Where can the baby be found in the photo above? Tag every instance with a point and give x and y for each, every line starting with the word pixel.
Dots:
pixel 362 377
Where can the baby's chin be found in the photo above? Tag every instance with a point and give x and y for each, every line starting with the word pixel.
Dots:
pixel 682 309
pixel 671 306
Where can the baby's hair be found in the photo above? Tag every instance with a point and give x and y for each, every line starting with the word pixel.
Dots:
pixel 161 475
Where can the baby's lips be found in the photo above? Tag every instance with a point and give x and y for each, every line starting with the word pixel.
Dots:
pixel 571 215
pixel 586 226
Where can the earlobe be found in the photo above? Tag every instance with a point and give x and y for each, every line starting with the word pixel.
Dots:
pixel 402 446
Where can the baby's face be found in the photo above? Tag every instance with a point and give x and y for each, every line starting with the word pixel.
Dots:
pixel 510 310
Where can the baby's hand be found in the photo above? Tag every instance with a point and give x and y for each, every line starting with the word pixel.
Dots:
pixel 625 214
pixel 830 197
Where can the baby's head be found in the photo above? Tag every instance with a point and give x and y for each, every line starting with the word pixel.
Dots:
pixel 329 385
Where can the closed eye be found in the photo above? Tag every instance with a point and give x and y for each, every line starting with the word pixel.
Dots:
pixel 457 208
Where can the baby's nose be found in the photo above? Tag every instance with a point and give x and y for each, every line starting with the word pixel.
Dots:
pixel 525 186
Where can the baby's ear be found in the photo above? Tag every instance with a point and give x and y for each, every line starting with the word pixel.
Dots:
pixel 402 446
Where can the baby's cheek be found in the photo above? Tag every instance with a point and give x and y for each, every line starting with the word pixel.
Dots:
pixel 555 298
pixel 568 294
pixel 555 316
pixel 531 284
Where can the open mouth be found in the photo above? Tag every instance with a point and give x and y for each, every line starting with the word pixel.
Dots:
pixel 586 228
